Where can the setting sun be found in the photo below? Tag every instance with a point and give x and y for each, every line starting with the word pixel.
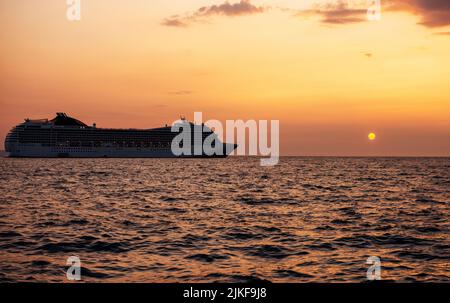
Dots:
pixel 372 136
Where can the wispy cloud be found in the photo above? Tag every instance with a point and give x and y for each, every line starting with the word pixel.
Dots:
pixel 433 13
pixel 341 12
pixel 442 33
pixel 174 21
pixel 244 7
pixel 181 92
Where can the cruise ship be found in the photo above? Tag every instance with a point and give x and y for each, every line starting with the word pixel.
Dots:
pixel 67 137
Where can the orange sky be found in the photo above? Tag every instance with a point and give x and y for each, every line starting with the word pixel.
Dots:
pixel 327 74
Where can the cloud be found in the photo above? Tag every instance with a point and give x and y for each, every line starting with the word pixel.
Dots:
pixel 244 7
pixel 433 13
pixel 343 16
pixel 336 13
pixel 181 92
pixel 241 8
pixel 442 33
pixel 174 21
pixel 178 21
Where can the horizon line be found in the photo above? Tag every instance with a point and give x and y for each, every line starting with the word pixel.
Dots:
pixel 315 156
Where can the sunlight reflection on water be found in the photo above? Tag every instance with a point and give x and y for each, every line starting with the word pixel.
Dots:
pixel 162 220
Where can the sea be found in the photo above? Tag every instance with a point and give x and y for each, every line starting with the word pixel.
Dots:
pixel 308 219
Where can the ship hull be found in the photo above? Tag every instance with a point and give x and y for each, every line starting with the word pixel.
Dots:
pixel 38 151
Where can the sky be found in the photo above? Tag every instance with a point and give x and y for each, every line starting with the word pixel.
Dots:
pixel 329 75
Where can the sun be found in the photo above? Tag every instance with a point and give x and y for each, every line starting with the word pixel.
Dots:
pixel 372 136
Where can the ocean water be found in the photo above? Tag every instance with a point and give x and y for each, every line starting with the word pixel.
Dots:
pixel 227 220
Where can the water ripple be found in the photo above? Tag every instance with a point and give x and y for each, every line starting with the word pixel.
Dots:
pixel 163 220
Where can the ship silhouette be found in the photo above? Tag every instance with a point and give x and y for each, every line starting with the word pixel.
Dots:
pixel 66 137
